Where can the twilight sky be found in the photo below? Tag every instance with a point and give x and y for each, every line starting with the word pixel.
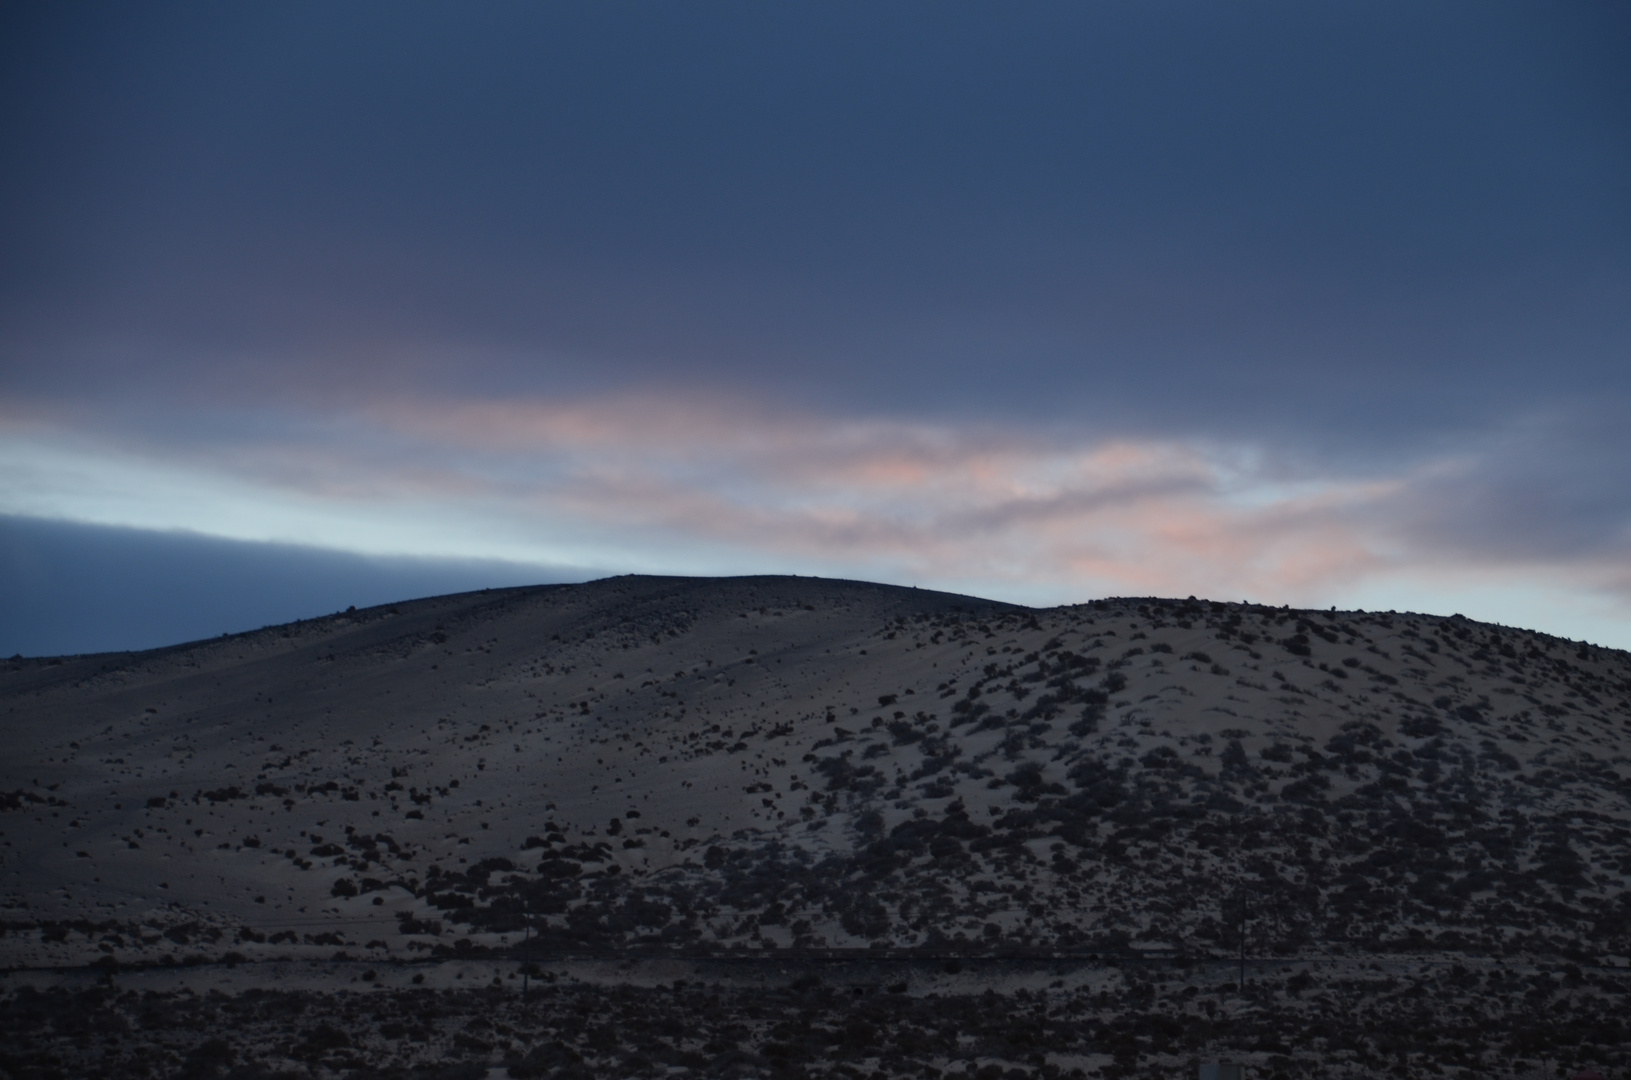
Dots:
pixel 1303 303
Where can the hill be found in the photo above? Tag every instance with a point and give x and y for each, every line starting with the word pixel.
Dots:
pixel 1309 839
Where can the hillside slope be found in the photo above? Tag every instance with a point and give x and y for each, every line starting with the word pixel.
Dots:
pixel 789 766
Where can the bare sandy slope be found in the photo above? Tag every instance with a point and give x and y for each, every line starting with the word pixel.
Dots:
pixel 788 763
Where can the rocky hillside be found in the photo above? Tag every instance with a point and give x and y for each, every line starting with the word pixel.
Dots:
pixel 787 769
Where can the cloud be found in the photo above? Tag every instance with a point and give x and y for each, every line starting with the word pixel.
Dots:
pixel 1360 225
pixel 711 485
pixel 1048 303
pixel 74 588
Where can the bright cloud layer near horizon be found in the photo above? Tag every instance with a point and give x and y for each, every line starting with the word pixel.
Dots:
pixel 1309 306
pixel 1030 516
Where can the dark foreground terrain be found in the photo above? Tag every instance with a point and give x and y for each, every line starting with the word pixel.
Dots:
pixel 1456 1020
pixel 789 827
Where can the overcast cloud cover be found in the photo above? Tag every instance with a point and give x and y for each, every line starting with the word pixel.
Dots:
pixel 1311 304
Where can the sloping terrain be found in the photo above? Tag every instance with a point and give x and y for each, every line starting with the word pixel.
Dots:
pixel 1365 807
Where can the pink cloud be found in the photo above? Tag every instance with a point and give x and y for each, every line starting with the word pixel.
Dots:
pixel 939 501
pixel 716 485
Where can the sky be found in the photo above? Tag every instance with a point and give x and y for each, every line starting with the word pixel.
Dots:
pixel 1304 304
